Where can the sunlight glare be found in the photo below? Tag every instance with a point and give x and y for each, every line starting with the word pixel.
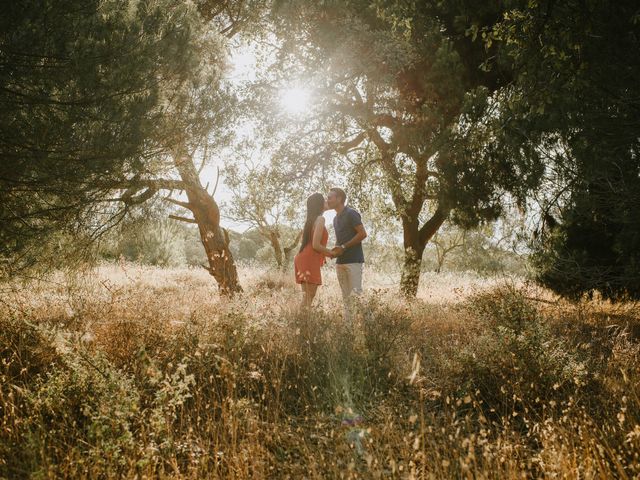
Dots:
pixel 294 100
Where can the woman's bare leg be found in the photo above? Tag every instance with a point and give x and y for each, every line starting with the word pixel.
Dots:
pixel 309 292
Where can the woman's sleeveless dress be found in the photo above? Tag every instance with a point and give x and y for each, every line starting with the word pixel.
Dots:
pixel 307 263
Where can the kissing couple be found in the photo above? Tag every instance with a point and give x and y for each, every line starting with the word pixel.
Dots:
pixel 313 252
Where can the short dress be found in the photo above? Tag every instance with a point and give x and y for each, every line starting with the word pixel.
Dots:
pixel 307 263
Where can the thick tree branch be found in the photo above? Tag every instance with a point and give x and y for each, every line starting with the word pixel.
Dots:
pixel 419 188
pixel 385 120
pixel 432 225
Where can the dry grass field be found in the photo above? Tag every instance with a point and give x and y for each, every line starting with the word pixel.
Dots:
pixel 136 372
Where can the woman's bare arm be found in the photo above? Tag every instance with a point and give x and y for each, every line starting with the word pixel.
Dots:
pixel 318 228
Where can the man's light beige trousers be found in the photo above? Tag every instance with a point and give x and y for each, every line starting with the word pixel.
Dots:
pixel 350 280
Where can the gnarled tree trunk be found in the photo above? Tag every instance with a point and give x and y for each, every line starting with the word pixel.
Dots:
pixel 274 238
pixel 415 241
pixel 281 253
pixel 410 277
pixel 415 238
pixel 290 249
pixel 206 215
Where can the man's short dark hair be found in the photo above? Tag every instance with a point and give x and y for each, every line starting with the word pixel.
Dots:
pixel 341 193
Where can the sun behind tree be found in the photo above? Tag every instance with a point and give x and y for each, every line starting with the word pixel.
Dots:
pixel 294 100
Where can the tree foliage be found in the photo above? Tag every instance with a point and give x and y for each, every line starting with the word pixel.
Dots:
pixel 107 104
pixel 576 97
pixel 94 96
pixel 400 96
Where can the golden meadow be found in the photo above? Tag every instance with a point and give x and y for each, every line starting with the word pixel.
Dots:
pixel 143 372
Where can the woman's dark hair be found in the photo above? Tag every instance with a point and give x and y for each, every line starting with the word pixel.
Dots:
pixel 315 208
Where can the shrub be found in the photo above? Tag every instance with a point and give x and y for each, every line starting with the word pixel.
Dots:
pixel 515 363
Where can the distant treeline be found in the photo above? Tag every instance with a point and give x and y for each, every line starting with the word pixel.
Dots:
pixel 161 242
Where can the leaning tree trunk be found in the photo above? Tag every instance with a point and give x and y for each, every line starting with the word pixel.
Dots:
pixel 207 216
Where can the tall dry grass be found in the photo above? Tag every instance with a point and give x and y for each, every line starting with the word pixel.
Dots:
pixel 141 372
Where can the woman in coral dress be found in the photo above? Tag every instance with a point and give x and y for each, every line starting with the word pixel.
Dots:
pixel 313 251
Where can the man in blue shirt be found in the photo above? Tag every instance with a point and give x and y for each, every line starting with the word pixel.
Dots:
pixel 349 233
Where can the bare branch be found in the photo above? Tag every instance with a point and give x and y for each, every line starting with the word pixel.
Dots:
pixel 204 158
pixel 390 169
pixel 129 197
pixel 143 197
pixel 344 147
pixel 182 219
pixel 186 205
pixel 294 243
pixel 156 183
pixel 215 187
